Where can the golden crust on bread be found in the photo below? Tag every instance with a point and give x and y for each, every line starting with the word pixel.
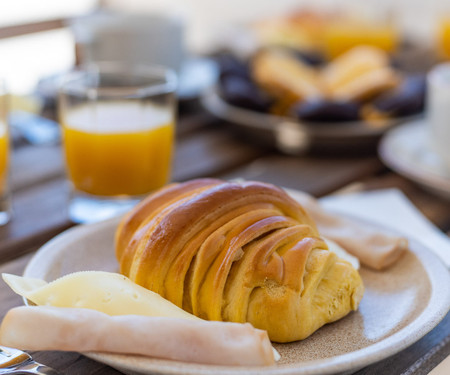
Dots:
pixel 238 252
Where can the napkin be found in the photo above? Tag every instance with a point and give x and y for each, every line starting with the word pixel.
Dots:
pixel 443 368
pixel 375 248
pixel 392 209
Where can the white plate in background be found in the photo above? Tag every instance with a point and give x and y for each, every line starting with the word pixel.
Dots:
pixel 405 149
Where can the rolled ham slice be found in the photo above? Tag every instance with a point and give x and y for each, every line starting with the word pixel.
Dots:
pixel 85 330
pixel 373 248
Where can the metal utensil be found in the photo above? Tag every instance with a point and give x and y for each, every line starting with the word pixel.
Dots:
pixel 14 361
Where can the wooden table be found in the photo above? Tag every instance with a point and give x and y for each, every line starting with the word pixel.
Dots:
pixel 205 147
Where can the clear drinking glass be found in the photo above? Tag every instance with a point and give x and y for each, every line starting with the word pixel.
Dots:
pixel 118 126
pixel 5 202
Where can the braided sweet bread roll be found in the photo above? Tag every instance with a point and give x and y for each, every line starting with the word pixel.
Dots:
pixel 240 252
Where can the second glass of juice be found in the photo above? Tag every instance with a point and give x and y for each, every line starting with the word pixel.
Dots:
pixel 5 203
pixel 444 37
pixel 362 23
pixel 118 132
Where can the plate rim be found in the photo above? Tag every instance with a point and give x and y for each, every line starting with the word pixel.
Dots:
pixel 404 167
pixel 438 303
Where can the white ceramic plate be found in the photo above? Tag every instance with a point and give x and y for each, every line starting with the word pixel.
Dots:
pixel 406 150
pixel 399 307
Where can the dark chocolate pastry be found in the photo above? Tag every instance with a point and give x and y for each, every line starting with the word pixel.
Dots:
pixel 407 100
pixel 327 111
pixel 231 65
pixel 242 92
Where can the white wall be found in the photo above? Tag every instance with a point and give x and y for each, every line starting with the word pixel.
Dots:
pixel 22 11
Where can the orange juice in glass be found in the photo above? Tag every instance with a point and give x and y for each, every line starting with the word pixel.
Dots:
pixel 4 156
pixel 118 133
pixel 345 33
pixel 5 212
pixel 444 37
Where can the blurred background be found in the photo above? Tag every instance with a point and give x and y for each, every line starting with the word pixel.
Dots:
pixel 36 39
pixel 40 41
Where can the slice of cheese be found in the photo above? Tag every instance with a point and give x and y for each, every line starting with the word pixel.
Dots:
pixel 22 285
pixel 111 293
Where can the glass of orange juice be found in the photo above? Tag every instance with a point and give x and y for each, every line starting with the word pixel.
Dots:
pixel 118 125
pixel 344 35
pixel 444 37
pixel 5 203
pixel 361 23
